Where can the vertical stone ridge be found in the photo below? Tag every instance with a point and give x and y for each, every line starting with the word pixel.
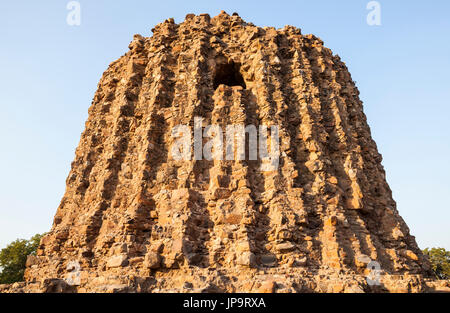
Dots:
pixel 337 141
pixel 123 133
pixel 283 215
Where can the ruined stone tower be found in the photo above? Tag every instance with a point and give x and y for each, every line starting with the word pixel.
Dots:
pixel 135 219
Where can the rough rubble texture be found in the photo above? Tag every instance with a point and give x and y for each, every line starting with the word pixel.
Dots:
pixel 136 220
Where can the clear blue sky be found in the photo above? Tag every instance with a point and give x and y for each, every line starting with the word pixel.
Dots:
pixel 50 70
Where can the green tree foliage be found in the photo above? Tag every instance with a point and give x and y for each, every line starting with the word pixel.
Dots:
pixel 14 257
pixel 440 261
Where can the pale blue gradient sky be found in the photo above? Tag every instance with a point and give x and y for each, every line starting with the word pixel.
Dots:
pixel 49 73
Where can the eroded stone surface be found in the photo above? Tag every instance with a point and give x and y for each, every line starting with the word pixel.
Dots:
pixel 136 220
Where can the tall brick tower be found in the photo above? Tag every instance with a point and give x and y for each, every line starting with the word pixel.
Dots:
pixel 133 218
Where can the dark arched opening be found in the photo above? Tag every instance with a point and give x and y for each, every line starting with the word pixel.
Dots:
pixel 228 74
